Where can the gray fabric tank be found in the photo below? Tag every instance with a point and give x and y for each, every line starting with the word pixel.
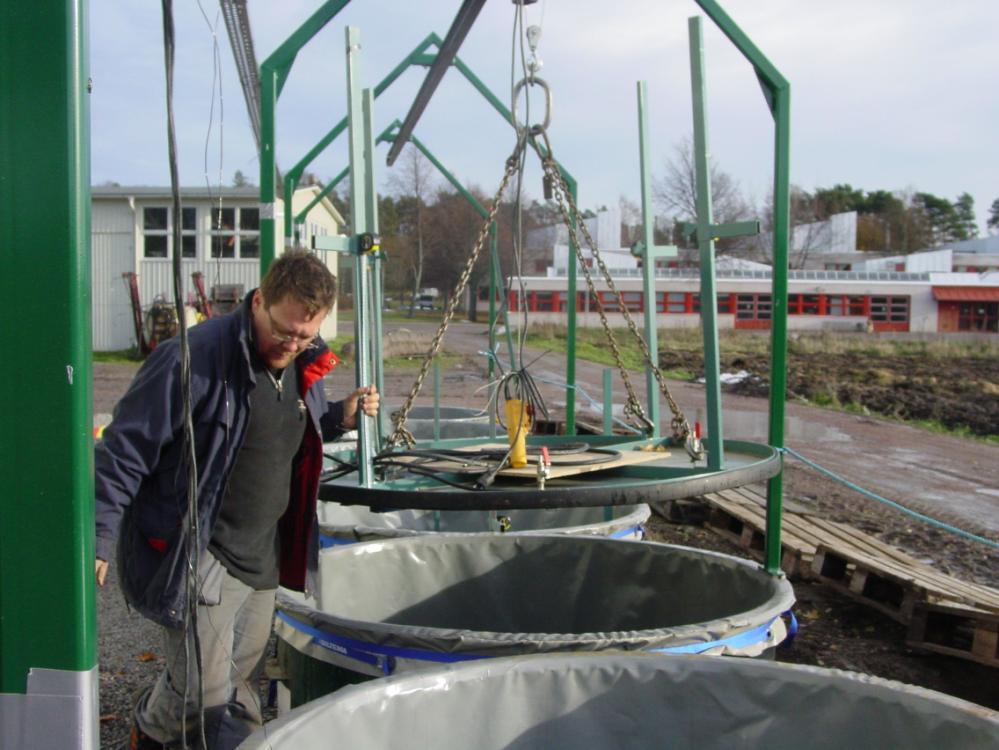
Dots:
pixel 632 702
pixel 405 604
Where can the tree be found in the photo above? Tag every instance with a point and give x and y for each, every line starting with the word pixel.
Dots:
pixel 414 179
pixel 676 192
pixel 941 217
pixel 993 222
pixel 965 226
pixel 239 179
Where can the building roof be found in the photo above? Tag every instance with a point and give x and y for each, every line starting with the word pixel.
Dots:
pixel 249 192
pixel 966 293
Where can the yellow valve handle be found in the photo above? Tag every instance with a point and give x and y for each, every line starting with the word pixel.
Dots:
pixel 518 424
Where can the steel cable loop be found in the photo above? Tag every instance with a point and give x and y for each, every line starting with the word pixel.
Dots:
pixel 401 434
pixel 679 423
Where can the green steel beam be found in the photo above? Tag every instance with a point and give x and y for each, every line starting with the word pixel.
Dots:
pixel 649 253
pixel 47 605
pixel 706 248
pixel 273 74
pixel 361 179
pixel 295 173
pixel 417 57
pixel 777 92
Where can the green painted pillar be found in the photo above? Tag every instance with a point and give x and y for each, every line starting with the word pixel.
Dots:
pixel 706 250
pixel 48 657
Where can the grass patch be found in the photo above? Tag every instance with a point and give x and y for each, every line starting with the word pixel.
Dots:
pixel 120 357
pixel 414 363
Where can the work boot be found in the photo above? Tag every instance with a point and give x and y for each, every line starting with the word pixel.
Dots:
pixel 139 740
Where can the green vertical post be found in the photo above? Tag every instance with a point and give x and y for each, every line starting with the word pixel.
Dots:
pixel 777 92
pixel 273 73
pixel 268 105
pixel 778 333
pixel 608 401
pixel 648 259
pixel 359 221
pixel 570 352
pixel 493 287
pixel 437 399
pixel 377 295
pixel 48 656
pixel 706 248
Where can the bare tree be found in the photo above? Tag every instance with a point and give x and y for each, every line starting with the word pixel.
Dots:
pixel 676 192
pixel 414 178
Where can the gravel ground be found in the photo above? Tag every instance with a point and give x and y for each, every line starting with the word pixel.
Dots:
pixel 896 460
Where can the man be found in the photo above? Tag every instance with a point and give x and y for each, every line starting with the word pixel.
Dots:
pixel 260 416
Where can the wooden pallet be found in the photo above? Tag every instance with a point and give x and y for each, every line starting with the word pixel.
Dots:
pixel 895 584
pixel 855 562
pixel 964 632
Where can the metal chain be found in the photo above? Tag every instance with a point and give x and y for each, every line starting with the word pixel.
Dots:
pixel 679 423
pixel 401 434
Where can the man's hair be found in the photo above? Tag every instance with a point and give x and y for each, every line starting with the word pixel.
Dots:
pixel 302 276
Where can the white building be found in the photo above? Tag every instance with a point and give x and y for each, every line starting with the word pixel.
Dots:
pixel 950 289
pixel 131 229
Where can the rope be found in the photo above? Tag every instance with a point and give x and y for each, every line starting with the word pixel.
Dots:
pixel 891 503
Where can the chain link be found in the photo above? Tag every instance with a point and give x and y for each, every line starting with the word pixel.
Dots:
pixel 679 423
pixel 401 434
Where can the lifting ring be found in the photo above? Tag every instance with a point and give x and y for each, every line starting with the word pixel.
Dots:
pixel 533 129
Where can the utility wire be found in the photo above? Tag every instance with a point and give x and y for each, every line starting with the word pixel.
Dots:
pixel 193 531
pixel 891 503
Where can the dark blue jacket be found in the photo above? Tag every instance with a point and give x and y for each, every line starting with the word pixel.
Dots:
pixel 141 478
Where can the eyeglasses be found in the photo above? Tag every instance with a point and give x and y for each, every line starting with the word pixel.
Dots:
pixel 302 342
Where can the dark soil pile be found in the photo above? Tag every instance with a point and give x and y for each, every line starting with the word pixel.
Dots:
pixel 960 392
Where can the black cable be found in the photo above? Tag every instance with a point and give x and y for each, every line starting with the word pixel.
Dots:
pixel 192 542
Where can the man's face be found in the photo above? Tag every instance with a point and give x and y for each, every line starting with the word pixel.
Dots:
pixel 283 329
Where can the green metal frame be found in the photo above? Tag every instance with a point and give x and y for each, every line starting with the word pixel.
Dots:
pixel 421 57
pixel 777 92
pixel 47 602
pixel 273 74
pixel 389 136
pixel 649 252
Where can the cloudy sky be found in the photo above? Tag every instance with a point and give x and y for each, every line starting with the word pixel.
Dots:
pixel 894 94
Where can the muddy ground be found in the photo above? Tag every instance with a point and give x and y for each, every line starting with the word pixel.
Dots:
pixel 835 631
pixel 959 392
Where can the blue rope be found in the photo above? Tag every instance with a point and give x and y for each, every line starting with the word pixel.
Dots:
pixel 891 503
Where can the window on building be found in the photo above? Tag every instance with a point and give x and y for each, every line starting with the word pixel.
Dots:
pixel 189 232
pixel 978 316
pixel 753 307
pixel 632 301
pixel 890 309
pixel 236 232
pixel 724 302
pixel 676 302
pixel 157 232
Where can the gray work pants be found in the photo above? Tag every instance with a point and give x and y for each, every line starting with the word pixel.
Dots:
pixel 234 624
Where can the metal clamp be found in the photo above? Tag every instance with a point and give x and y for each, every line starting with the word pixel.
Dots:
pixel 534 129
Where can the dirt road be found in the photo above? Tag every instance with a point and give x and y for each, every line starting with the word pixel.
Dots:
pixel 952 478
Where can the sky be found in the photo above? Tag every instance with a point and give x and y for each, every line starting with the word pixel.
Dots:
pixel 894 94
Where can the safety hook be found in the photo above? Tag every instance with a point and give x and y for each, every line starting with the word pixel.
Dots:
pixel 534 129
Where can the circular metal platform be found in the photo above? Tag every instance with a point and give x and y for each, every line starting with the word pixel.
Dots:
pixel 655 476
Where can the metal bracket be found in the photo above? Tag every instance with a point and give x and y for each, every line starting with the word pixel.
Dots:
pixel 358 244
pixel 719 231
